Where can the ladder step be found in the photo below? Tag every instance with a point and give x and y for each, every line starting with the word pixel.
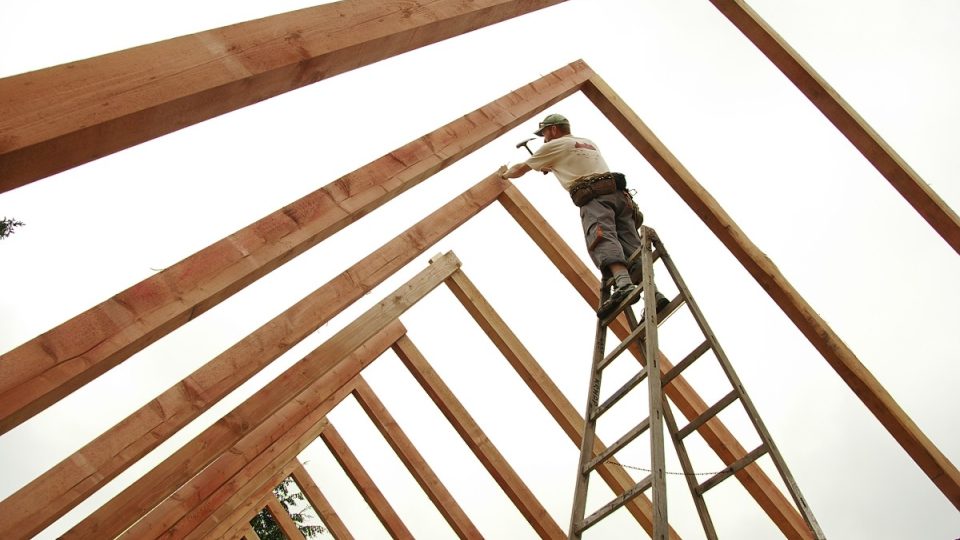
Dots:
pixel 634 335
pixel 732 469
pixel 708 414
pixel 616 503
pixel 617 446
pixel 616 396
pixel 685 363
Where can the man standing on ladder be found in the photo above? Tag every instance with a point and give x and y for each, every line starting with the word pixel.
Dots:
pixel 608 213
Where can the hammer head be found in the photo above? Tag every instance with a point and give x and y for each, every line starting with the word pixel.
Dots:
pixel 524 144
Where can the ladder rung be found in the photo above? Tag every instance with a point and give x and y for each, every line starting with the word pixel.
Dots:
pixel 708 414
pixel 634 335
pixel 736 466
pixel 616 503
pixel 685 363
pixel 616 396
pixel 617 446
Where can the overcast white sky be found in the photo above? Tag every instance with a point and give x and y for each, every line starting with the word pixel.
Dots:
pixel 861 256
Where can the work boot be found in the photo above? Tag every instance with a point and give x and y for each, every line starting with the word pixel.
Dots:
pixel 661 302
pixel 616 298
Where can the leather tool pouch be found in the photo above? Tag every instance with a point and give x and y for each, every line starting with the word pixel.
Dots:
pixel 590 187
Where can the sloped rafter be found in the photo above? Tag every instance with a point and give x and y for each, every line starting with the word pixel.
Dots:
pixel 864 385
pixel 900 175
pixel 60 117
pixel 477 441
pixel 324 509
pixel 415 463
pixel 283 519
pixel 365 485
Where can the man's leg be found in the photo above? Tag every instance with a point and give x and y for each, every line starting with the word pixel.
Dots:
pixel 599 220
pixel 630 242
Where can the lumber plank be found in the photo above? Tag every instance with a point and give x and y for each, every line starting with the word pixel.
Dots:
pixel 542 386
pixel 841 358
pixel 900 175
pixel 42 371
pixel 365 485
pixel 283 519
pixel 197 505
pixel 414 461
pixel 60 117
pixel 720 439
pixel 491 458
pixel 319 502
pixel 70 481
pixel 150 489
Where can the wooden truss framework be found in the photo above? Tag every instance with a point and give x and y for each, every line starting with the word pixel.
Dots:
pixel 215 481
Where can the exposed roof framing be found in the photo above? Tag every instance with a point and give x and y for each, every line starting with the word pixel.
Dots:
pixel 214 482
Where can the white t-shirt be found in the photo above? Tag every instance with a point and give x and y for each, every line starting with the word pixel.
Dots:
pixel 569 158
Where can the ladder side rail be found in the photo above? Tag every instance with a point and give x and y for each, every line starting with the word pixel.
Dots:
pixel 788 479
pixel 688 472
pixel 589 432
pixel 658 460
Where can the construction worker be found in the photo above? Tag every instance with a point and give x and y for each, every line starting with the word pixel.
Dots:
pixel 607 211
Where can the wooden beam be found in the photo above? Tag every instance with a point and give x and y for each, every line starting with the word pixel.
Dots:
pixel 150 489
pixel 69 482
pixel 903 178
pixel 43 370
pixel 365 485
pixel 927 456
pixel 283 519
pixel 254 461
pixel 411 458
pixel 544 388
pixel 498 467
pixel 728 449
pixel 328 515
pixel 63 116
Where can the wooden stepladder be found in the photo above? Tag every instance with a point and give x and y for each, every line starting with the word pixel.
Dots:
pixel 644 333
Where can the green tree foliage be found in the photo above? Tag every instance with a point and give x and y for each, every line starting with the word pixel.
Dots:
pixel 266 527
pixel 7 225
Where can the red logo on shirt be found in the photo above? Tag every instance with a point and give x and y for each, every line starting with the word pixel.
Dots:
pixel 585 145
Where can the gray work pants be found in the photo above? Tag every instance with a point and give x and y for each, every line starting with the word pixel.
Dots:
pixel 609 230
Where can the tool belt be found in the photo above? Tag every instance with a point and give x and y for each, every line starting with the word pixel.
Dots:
pixel 589 187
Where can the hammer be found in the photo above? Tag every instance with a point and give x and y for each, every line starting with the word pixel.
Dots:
pixel 524 144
